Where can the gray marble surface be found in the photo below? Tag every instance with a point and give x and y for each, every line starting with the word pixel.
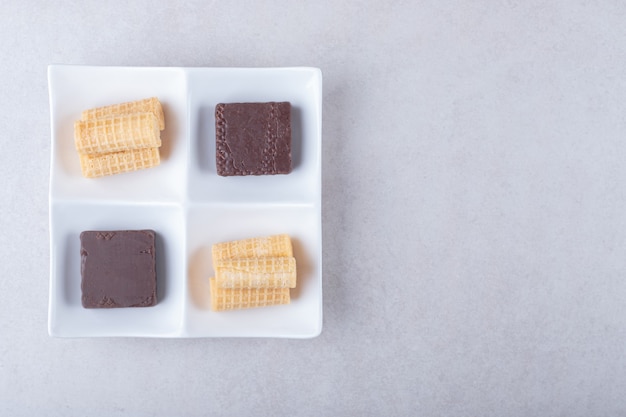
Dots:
pixel 474 210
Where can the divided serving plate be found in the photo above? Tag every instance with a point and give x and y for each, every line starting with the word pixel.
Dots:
pixel 184 201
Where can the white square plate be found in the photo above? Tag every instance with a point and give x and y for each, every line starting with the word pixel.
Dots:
pixel 185 201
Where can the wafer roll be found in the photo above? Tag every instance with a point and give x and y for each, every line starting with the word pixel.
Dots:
pixel 273 246
pixel 148 105
pixel 232 299
pixel 93 166
pixel 266 272
pixel 115 134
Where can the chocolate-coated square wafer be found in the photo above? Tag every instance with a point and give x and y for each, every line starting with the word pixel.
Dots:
pixel 118 268
pixel 253 138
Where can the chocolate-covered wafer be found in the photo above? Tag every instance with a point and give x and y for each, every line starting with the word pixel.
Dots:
pixel 253 138
pixel 118 268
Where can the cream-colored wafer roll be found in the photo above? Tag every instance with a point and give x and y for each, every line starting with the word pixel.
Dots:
pixel 265 272
pixel 274 246
pixel 93 166
pixel 148 105
pixel 239 298
pixel 115 134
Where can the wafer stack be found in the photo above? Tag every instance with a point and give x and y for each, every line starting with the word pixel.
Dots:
pixel 251 273
pixel 119 138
